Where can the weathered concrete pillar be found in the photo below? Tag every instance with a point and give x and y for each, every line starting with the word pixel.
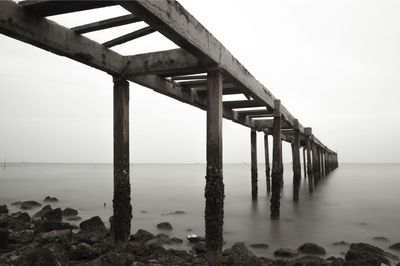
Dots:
pixel 214 190
pixel 122 208
pixel 254 178
pixel 267 166
pixel 304 163
pixel 315 162
pixel 296 161
pixel 277 166
pixel 310 174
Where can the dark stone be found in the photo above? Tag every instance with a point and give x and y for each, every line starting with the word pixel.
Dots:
pixel 112 258
pixel 164 226
pixel 59 237
pixel 286 253
pixel 91 237
pixel 93 224
pixel 380 238
pixel 43 211
pixel 4 237
pixel 340 243
pixel 142 236
pixel 395 246
pixel 82 251
pixel 17 221
pixel 3 209
pixel 192 238
pixel 260 245
pixel 53 215
pixel 47 226
pixel 45 256
pixel 175 240
pixel 174 213
pixel 21 236
pixel 74 218
pixel 30 204
pixel 311 248
pixel 17 203
pixel 239 255
pixel 365 254
pixel 310 261
pixel 336 261
pixel 69 212
pixel 50 199
pixel 164 238
pixel 199 247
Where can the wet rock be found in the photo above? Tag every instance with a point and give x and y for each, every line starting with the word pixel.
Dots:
pixel 239 255
pixel 4 237
pixel 340 243
pixel 21 236
pixel 380 238
pixel 82 251
pixel 365 254
pixel 17 221
pixel 395 246
pixel 50 199
pixel 142 236
pixel 93 224
pixel 111 258
pixel 59 237
pixel 165 239
pixel 67 212
pixel 45 256
pixel 16 203
pixel 312 249
pixel 74 218
pixel 43 211
pixel 53 215
pixel 199 247
pixel 260 245
pixel 336 261
pixel 164 226
pixel 3 209
pixel 309 261
pixel 192 238
pixel 175 213
pixel 47 226
pixel 286 253
pixel 30 204
pixel 175 240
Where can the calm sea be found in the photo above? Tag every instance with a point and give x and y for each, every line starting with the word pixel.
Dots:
pixel 355 203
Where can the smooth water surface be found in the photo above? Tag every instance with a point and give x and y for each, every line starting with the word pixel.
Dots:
pixel 355 203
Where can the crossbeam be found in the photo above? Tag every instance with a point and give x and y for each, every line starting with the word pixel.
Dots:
pixel 255 112
pixel 243 104
pixel 46 8
pixel 129 37
pixel 106 24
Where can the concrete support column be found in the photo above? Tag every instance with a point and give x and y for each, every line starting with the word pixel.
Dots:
pixel 254 178
pixel 267 166
pixel 122 208
pixel 310 173
pixel 296 161
pixel 277 166
pixel 214 190
pixel 304 163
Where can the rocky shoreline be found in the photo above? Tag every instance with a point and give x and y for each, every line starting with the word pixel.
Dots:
pixel 47 238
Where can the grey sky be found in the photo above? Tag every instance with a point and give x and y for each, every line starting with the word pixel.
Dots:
pixel 334 64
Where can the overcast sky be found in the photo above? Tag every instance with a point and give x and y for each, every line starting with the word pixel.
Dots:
pixel 334 64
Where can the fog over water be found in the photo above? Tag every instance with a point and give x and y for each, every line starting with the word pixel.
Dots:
pixel 355 203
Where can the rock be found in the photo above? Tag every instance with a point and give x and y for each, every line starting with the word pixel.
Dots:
pixel 50 199
pixel 175 240
pixel 395 246
pixel 4 238
pixel 30 204
pixel 192 238
pixel 17 221
pixel 43 211
pixel 310 261
pixel 90 237
pixel 367 255
pixel 175 213
pixel 93 224
pixel 164 226
pixel 380 238
pixel 340 243
pixel 45 256
pixel 142 236
pixel 199 247
pixel 311 248
pixel 21 236
pixel 111 258
pixel 260 245
pixel 164 238
pixel 47 226
pixel 82 251
pixel 336 261
pixel 239 255
pixel 16 203
pixel 53 215
pixel 3 209
pixel 59 237
pixel 69 212
pixel 286 253
pixel 74 218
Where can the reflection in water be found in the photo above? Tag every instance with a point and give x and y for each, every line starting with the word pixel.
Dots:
pixel 348 197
